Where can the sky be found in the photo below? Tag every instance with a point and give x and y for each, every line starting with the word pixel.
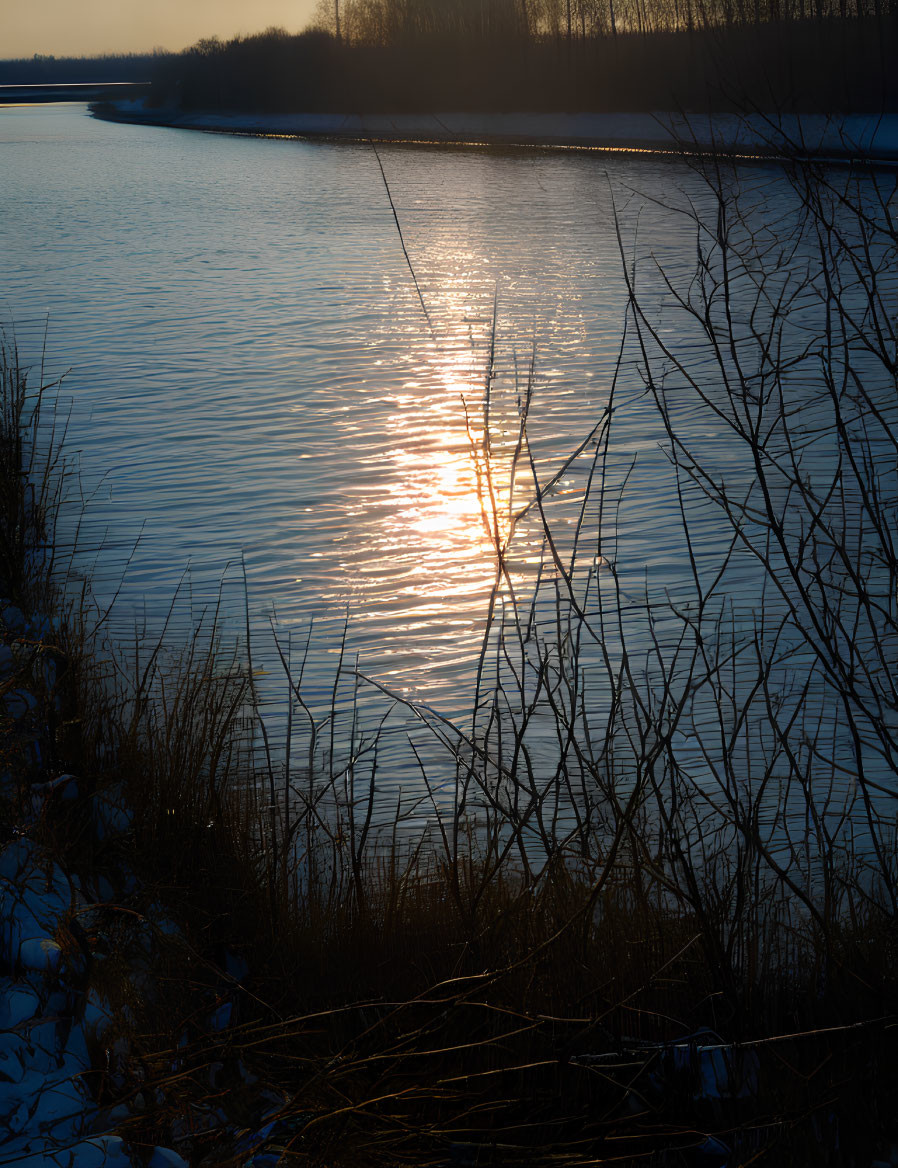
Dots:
pixel 88 27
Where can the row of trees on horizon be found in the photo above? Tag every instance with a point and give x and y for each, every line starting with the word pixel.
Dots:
pixel 382 56
pixel 386 56
pixel 47 69
pixel 384 22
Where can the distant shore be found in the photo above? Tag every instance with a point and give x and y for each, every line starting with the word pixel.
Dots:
pixel 33 94
pixel 867 137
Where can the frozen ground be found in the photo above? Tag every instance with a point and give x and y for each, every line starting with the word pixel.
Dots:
pixel 59 1034
pixel 857 135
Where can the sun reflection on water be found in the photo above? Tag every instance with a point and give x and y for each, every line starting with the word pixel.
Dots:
pixel 432 488
pixel 451 494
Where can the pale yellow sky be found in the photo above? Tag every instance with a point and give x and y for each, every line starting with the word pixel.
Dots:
pixel 87 27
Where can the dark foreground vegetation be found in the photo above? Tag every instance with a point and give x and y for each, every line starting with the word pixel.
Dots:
pixel 667 942
pixel 381 56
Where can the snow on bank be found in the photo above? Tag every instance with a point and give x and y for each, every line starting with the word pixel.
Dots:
pixel 61 1035
pixel 51 1018
pixel 858 135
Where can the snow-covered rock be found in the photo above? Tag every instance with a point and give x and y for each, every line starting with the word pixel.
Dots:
pixel 35 897
pixel 96 1014
pixel 105 1151
pixel 64 788
pixel 111 815
pixel 18 1003
pixel 711 1068
pixel 166 1158
pixel 40 955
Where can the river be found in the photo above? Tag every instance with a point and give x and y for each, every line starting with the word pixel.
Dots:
pixel 262 374
pixel 252 373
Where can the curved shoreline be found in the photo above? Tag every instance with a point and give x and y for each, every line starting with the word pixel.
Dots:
pixel 869 138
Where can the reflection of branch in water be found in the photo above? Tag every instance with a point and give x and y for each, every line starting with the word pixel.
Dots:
pixel 402 239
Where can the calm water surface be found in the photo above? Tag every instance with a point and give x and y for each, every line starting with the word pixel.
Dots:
pixel 252 373
pixel 252 376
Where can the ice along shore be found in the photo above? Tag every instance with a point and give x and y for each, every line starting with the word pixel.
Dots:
pixel 867 137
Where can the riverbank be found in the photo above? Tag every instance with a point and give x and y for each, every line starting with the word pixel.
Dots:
pixel 66 884
pixel 871 138
pixel 116 968
pixel 167 984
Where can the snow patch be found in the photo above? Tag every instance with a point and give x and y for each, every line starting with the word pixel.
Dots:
pixel 858 135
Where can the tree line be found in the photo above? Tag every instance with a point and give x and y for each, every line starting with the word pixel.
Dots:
pixel 46 69
pixel 386 21
pixel 385 56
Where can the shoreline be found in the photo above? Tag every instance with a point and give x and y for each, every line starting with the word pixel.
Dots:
pixel 869 138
